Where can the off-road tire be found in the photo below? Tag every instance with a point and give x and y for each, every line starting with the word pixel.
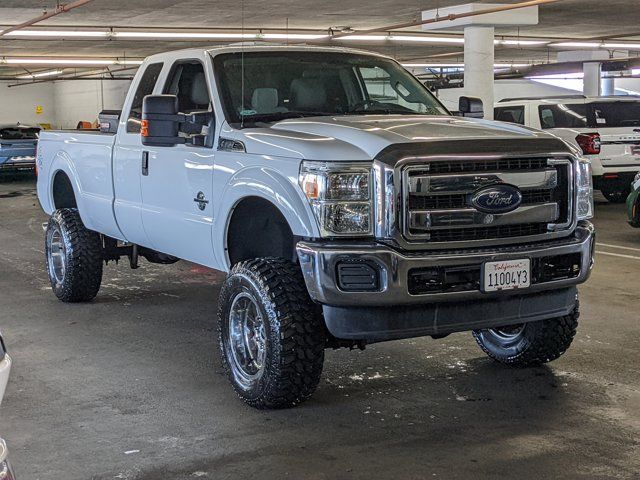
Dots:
pixel 82 259
pixel 540 342
pixel 294 331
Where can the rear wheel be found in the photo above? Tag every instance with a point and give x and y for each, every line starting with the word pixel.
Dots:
pixel 271 334
pixel 529 344
pixel 74 257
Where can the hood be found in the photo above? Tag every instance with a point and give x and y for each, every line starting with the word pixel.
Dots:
pixel 362 137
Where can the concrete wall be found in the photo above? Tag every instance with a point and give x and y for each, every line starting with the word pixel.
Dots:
pixel 18 104
pixel 77 100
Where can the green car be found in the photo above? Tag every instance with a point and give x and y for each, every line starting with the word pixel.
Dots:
pixel 633 203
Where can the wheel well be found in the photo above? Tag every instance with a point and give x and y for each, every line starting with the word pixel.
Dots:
pixel 258 229
pixel 63 196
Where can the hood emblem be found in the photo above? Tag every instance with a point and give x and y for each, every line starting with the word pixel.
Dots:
pixel 495 199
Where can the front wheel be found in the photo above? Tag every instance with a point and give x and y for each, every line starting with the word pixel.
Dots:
pixel 529 344
pixel 271 334
pixel 74 257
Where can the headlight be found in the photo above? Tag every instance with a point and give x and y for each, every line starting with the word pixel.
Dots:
pixel 340 196
pixel 584 184
pixel 636 178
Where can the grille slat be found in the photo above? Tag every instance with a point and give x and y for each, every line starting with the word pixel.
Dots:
pixel 420 179
pixel 437 202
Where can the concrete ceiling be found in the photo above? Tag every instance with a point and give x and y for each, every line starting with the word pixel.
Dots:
pixel 567 19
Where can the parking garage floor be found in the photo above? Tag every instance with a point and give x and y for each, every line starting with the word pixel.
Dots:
pixel 130 385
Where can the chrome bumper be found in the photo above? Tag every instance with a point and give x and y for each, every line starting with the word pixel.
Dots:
pixel 319 263
pixel 6 473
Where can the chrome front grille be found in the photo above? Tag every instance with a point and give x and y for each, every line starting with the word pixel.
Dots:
pixel 437 199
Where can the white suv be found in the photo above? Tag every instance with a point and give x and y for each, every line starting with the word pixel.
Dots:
pixel 606 129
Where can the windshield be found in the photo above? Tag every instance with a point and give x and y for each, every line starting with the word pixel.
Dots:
pixel 279 85
pixel 19 133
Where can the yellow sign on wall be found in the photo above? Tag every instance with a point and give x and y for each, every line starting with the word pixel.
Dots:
pixel 39 109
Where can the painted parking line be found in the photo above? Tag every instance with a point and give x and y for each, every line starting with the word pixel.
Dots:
pixel 617 246
pixel 617 255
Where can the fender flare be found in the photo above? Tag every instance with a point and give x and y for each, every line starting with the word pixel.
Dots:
pixel 61 162
pixel 271 186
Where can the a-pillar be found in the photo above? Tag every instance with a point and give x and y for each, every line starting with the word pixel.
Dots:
pixel 478 65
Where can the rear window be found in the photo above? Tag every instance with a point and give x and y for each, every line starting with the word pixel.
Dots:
pixel 509 114
pixel 615 114
pixel 563 115
pixel 19 133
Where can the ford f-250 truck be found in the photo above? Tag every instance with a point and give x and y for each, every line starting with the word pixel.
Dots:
pixel 347 205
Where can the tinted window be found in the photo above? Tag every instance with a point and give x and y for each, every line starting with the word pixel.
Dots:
pixel 188 82
pixel 17 133
pixel 145 87
pixel 563 115
pixel 509 114
pixel 615 114
pixel 271 86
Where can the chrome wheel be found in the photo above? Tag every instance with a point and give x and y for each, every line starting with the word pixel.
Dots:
pixel 508 334
pixel 56 255
pixel 247 340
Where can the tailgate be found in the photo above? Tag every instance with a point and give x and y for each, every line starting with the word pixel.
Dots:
pixel 620 148
pixel 17 148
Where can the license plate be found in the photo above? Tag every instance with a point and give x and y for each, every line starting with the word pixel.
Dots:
pixel 506 275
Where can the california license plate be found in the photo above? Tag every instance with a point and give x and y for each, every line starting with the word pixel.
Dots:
pixel 506 275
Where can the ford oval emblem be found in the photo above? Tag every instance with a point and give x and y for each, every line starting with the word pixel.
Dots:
pixel 500 198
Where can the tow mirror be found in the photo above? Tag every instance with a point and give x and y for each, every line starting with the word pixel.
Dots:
pixel 162 124
pixel 471 107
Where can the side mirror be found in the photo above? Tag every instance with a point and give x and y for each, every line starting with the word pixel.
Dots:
pixel 471 107
pixel 162 123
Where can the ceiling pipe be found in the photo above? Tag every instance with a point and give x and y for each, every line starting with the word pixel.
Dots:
pixel 449 17
pixel 56 11
pixel 80 76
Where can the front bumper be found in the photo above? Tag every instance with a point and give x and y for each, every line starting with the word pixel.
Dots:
pixel 319 262
pixel 17 164
pixel 6 473
pixel 393 312
pixel 5 368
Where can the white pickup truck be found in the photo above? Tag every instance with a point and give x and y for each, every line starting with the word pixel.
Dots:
pixel 347 205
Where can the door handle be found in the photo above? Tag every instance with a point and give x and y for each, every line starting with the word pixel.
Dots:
pixel 145 163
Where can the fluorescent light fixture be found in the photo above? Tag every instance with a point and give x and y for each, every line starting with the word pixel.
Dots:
pixel 49 73
pixel 596 45
pixel 365 38
pixel 218 35
pixel 426 39
pixel 520 43
pixel 67 61
pixel 57 33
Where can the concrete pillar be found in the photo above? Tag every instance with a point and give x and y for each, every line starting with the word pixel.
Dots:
pixel 478 65
pixel 592 81
pixel 608 86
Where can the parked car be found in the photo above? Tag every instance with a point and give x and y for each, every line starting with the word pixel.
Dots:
pixel 347 205
pixel 606 129
pixel 633 203
pixel 6 473
pixel 18 147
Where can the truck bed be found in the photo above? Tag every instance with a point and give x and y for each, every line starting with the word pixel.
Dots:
pixel 86 158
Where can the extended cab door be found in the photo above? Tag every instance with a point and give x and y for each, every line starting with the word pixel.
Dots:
pixel 127 158
pixel 177 213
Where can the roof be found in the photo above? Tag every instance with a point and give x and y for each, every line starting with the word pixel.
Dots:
pixel 571 97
